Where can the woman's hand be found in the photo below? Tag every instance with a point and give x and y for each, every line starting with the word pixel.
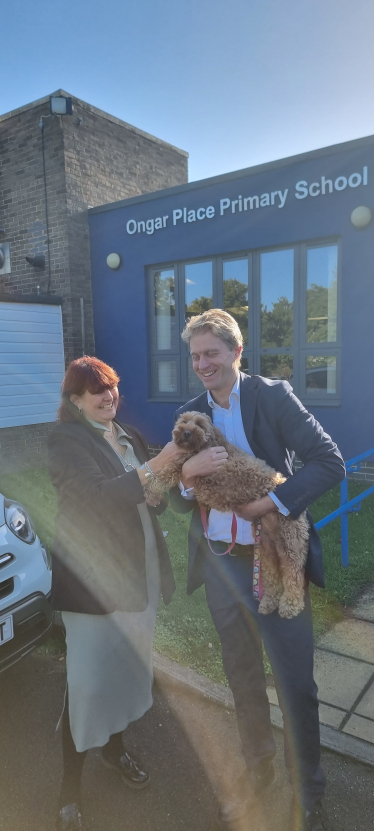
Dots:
pixel 203 464
pixel 169 453
pixel 153 501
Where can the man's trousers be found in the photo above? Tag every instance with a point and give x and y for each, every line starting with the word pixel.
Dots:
pixel 289 646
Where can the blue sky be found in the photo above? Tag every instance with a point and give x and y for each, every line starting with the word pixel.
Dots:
pixel 233 82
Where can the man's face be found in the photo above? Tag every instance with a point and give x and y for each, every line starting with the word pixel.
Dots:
pixel 214 361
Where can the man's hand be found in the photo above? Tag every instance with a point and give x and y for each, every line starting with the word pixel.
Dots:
pixel 255 510
pixel 203 464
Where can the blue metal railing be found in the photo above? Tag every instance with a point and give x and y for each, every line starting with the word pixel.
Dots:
pixel 347 506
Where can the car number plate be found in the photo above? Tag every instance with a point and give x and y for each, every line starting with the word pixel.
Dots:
pixel 6 629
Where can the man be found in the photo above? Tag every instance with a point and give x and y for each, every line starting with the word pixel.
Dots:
pixel 262 417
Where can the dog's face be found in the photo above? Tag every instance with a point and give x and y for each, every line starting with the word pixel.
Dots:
pixel 194 432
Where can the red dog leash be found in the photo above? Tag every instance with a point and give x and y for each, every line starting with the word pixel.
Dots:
pixel 258 589
pixel 234 528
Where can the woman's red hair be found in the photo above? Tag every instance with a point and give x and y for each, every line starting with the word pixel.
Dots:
pixel 84 374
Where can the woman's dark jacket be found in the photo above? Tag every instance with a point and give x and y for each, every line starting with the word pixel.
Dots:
pixel 99 548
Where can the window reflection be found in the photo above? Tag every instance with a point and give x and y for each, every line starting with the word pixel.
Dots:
pixel 277 269
pixel 235 292
pixel 198 287
pixel 167 376
pixel 321 373
pixel 278 367
pixel 321 305
pixel 164 299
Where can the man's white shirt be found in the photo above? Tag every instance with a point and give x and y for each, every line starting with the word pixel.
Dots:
pixel 230 422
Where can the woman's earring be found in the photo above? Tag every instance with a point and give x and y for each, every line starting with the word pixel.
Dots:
pixel 80 410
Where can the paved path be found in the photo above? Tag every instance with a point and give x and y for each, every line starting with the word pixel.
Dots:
pixel 344 671
pixel 189 744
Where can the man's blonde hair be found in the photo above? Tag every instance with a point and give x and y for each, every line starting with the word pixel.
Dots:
pixel 219 323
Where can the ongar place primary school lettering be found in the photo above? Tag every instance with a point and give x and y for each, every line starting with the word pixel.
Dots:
pixel 303 189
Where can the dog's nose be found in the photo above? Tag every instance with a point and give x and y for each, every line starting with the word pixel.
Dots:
pixel 187 434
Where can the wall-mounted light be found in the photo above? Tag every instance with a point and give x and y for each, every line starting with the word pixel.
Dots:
pixel 59 105
pixel 113 260
pixel 361 216
pixel 38 261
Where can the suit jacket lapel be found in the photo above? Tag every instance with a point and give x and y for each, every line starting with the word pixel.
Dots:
pixel 107 450
pixel 202 406
pixel 248 402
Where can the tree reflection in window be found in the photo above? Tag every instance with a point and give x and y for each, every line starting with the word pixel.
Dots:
pixel 198 287
pixel 277 366
pixel 322 295
pixel 277 324
pixel 277 298
pixel 235 293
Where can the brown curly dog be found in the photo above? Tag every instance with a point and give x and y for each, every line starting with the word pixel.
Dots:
pixel 243 478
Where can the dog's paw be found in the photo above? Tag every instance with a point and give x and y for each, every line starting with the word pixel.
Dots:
pixel 290 606
pixel 268 604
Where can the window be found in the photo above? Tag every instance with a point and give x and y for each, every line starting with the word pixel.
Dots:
pixel 285 301
pixel 235 292
pixel 277 313
pixel 198 287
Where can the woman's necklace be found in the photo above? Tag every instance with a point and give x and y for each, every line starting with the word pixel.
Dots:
pixel 119 449
pixel 112 438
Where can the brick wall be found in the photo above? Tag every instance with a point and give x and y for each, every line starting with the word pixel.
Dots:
pixel 23 447
pixel 91 158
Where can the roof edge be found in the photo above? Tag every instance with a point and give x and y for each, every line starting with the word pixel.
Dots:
pixel 91 108
pixel 237 174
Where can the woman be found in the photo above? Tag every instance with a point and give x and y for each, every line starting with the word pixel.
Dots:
pixel 110 564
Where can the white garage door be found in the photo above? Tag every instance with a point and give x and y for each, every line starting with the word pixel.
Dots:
pixel 31 363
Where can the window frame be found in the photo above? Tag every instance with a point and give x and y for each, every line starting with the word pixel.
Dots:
pixel 329 348
pixel 252 351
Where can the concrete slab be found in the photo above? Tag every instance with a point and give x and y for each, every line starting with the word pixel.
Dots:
pixel 351 637
pixel 366 705
pixel 360 727
pixel 272 695
pixel 331 716
pixel 364 609
pixel 340 680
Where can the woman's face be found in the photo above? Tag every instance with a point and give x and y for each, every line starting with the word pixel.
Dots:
pixel 99 406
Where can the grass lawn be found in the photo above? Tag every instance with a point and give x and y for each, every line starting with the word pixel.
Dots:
pixel 184 629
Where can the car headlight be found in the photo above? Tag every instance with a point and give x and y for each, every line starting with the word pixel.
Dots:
pixel 18 521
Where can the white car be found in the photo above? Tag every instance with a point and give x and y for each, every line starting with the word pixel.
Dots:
pixel 25 585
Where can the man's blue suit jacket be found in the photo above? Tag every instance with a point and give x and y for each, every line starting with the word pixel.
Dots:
pixel 277 427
